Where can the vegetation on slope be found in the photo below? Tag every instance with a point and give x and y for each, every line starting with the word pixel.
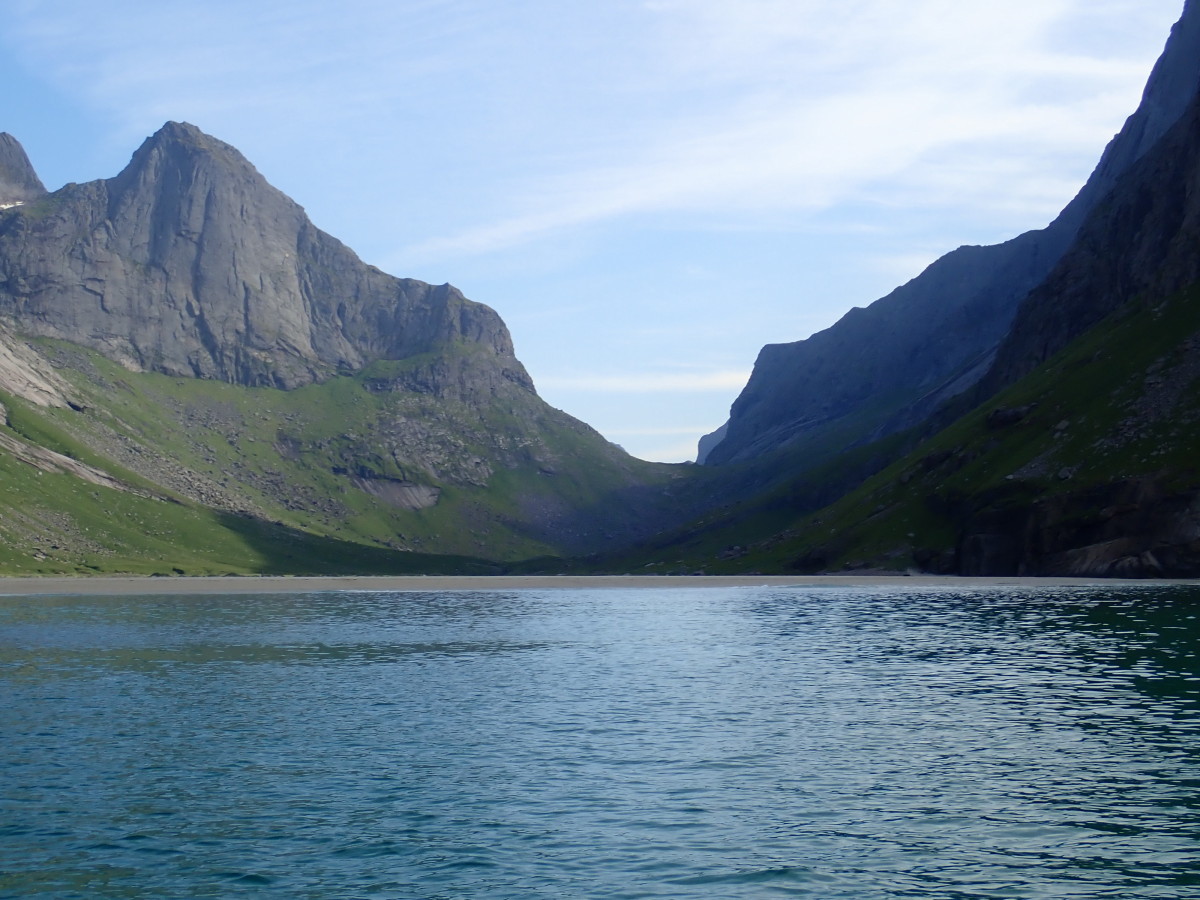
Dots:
pixel 357 474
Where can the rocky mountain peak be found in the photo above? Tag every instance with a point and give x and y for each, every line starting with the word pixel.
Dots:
pixel 190 263
pixel 19 182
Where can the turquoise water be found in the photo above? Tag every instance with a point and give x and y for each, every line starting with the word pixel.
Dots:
pixel 698 743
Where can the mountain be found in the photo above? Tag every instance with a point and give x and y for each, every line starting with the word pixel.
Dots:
pixel 1065 447
pixel 189 263
pixel 181 335
pixel 885 368
pixel 1076 453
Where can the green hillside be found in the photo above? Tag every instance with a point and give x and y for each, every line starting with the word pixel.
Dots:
pixel 354 474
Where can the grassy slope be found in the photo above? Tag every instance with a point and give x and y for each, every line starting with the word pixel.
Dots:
pixel 55 523
pixel 200 452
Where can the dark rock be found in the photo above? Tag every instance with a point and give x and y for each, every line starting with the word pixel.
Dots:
pixel 708 442
pixel 936 561
pixel 1138 246
pixel 1133 528
pixel 990 555
pixel 1003 417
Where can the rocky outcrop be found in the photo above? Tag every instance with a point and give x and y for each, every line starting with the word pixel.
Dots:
pixel 1135 528
pixel 190 263
pixel 708 442
pixel 46 460
pixel 25 374
pixel 886 367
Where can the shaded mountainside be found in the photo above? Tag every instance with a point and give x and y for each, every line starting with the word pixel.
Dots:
pixel 181 343
pixel 1081 457
pixel 1141 242
pixel 885 368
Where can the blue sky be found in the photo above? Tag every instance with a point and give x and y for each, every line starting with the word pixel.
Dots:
pixel 647 191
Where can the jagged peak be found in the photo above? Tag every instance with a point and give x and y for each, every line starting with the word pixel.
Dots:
pixel 182 140
pixel 171 160
pixel 19 182
pixel 187 134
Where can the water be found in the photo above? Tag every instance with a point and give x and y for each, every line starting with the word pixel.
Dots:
pixel 711 743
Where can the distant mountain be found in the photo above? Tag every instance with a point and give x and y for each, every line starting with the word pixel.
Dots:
pixel 885 368
pixel 181 334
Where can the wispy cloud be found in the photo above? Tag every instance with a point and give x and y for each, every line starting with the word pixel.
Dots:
pixel 560 120
pixel 929 102
pixel 548 155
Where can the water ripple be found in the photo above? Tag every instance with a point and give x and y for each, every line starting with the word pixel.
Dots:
pixel 824 743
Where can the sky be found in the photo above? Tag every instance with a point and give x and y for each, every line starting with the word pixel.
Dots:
pixel 647 191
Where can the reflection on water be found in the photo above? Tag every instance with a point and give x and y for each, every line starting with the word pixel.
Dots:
pixel 818 742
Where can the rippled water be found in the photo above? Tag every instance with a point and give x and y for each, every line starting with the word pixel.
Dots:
pixel 699 743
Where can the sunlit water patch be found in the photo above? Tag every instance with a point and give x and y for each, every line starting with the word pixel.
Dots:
pixel 825 743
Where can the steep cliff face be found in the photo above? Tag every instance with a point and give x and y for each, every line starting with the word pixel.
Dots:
pixel 1140 244
pixel 886 367
pixel 883 367
pixel 190 263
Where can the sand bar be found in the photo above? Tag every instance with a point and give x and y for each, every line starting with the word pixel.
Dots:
pixel 135 585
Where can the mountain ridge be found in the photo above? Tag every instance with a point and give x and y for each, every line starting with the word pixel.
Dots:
pixel 189 263
pixel 944 325
pixel 1075 455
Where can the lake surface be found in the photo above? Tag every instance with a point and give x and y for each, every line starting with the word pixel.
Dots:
pixel 691 743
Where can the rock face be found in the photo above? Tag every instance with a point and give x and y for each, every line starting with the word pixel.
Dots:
pixel 888 366
pixel 1092 471
pixel 24 374
pixel 1139 245
pixel 189 263
pixel 1135 528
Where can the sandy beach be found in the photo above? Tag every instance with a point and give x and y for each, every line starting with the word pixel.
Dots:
pixel 145 585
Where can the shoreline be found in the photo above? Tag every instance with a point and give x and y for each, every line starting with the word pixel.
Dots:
pixel 147 585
